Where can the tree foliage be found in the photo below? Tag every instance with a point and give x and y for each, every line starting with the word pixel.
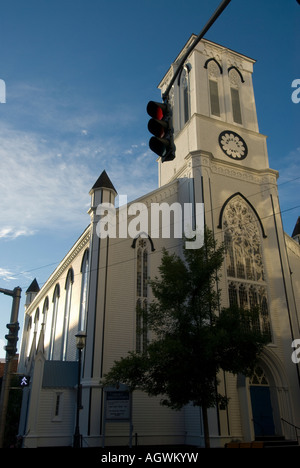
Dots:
pixel 192 337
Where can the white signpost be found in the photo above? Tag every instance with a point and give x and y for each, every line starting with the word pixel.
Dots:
pixel 117 408
pixel 117 405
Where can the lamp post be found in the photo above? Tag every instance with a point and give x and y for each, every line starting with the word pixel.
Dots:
pixel 11 349
pixel 80 344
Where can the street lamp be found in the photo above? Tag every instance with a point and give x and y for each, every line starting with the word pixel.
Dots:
pixel 80 344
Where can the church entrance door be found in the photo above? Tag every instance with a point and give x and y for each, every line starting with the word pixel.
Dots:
pixel 261 404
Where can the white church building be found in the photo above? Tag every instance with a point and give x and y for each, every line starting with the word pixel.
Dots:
pixel 222 162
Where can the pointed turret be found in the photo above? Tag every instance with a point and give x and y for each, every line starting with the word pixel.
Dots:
pixel 103 190
pixel 104 182
pixel 31 292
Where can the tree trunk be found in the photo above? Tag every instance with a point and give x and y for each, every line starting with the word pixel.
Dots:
pixel 205 427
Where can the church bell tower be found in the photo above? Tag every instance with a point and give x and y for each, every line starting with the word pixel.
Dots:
pixel 216 134
pixel 214 111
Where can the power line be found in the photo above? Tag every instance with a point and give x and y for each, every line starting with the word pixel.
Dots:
pixel 178 244
pixel 206 212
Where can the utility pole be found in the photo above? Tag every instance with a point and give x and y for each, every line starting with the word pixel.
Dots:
pixel 11 349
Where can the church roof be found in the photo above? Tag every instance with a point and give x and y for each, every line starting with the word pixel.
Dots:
pixel 296 231
pixel 34 287
pixel 104 182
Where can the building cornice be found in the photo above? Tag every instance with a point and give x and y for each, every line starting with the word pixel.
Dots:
pixel 217 166
pixel 79 245
pixel 207 45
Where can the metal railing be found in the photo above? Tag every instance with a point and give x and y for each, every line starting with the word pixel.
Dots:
pixel 296 428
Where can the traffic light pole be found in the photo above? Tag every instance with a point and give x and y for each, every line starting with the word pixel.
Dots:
pixel 16 295
pixel 210 22
pixel 160 125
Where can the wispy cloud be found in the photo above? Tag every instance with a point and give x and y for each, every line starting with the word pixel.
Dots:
pixel 47 169
pixel 12 233
pixel 6 275
pixel 37 188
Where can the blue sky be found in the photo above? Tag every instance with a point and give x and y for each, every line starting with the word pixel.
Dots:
pixel 78 76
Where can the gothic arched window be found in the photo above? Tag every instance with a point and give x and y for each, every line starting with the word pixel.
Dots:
pixel 84 289
pixel 242 241
pixel 141 326
pixel 214 72
pixel 141 295
pixel 184 95
pixel 235 79
pixel 29 336
pixel 259 377
pixel 55 301
pixel 68 287
pixel 244 261
pixel 45 310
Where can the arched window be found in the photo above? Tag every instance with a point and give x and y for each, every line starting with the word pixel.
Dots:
pixel 235 79
pixel 142 269
pixel 214 73
pixel 36 325
pixel 55 302
pixel 84 290
pixel 244 261
pixel 141 326
pixel 242 241
pixel 139 273
pixel 29 336
pixel 36 320
pixel 141 294
pixel 68 288
pixel 259 377
pixel 32 330
pixel 45 310
pixel 138 326
pixel 43 322
pixel 184 95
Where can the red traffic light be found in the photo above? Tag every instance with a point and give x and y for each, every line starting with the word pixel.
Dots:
pixel 157 110
pixel 159 125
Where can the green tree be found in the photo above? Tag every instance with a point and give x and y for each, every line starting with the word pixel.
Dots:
pixel 192 337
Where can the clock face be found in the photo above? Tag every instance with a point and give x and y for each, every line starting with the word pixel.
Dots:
pixel 233 145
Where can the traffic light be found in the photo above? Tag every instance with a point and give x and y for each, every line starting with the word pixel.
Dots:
pixel 160 125
pixel 12 338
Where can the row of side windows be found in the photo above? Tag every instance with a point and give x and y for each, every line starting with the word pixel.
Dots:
pixel 245 274
pixel 48 321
